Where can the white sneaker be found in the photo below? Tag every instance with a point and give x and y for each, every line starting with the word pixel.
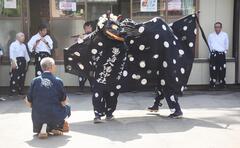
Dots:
pixel 43 133
pixel 2 99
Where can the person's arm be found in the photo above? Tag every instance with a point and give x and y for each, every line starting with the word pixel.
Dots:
pixel 32 44
pixel 210 42
pixel 12 56
pixel 63 96
pixel 48 41
pixel 27 58
pixel 1 54
pixel 29 104
pixel 65 102
pixel 26 55
pixel 29 97
pixel 226 43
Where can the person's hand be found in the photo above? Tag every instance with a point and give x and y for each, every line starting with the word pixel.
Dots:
pixel 43 39
pixel 64 103
pixel 38 41
pixel 26 68
pixel 13 65
pixel 29 104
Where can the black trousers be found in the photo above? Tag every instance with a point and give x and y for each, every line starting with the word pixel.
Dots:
pixel 38 57
pixel 51 124
pixel 171 98
pixel 217 68
pixel 104 102
pixel 18 76
pixel 82 80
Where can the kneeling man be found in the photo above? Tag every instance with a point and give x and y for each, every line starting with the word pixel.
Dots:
pixel 48 100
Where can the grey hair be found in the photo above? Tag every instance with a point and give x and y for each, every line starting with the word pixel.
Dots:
pixel 47 63
pixel 19 34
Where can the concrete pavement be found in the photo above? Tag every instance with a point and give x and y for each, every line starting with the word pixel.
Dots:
pixel 211 120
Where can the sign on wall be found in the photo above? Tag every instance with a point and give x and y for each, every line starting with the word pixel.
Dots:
pixel 148 5
pixel 174 5
pixel 10 4
pixel 68 6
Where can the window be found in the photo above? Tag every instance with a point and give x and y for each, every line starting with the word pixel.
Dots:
pixel 67 18
pixel 8 28
pixel 143 10
pixel 10 8
pixel 68 8
pixel 169 10
pixel 69 15
pixel 178 8
pixel 11 23
pixel 95 8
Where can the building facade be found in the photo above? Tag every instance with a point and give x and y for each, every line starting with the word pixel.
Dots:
pixel 65 18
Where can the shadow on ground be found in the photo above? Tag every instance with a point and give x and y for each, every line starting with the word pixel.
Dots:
pixel 56 141
pixel 131 128
pixel 139 100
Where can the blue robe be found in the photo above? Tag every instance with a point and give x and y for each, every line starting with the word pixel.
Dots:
pixel 46 94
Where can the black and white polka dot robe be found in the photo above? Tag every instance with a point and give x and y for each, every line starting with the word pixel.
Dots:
pixel 161 55
pixel 101 60
pixel 158 54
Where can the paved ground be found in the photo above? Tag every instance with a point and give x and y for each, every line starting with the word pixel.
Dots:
pixel 211 120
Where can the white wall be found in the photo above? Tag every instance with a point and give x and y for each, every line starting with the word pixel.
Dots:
pixel 212 11
pixel 200 73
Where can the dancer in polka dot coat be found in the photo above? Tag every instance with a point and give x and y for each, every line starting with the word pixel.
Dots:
pixel 125 55
pixel 161 55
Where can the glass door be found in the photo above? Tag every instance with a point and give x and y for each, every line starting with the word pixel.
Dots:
pixel 11 23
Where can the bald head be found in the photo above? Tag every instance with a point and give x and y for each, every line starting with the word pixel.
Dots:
pixel 20 37
pixel 47 64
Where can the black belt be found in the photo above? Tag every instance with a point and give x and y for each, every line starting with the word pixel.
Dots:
pixel 218 51
pixel 42 52
pixel 20 58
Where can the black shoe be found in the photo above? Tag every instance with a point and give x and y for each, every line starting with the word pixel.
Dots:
pixel 176 115
pixel 21 93
pixel 97 120
pixel 12 93
pixel 154 108
pixel 222 86
pixel 109 118
pixel 2 99
pixel 212 87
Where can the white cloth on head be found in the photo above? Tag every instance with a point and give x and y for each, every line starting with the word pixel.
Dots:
pixel 218 42
pixel 18 49
pixel 41 47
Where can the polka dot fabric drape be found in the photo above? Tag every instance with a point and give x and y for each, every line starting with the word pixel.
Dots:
pixel 159 55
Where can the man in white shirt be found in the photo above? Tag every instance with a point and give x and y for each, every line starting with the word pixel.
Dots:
pixel 41 44
pixel 218 43
pixel 19 59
